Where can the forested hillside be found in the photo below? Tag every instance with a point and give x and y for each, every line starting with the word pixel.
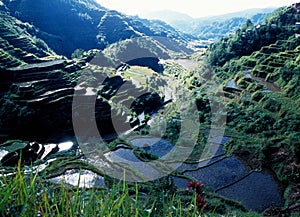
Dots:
pixel 278 26
pixel 69 25
pixel 104 114
pixel 259 66
pixel 213 27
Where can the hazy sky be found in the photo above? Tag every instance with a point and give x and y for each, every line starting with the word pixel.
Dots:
pixel 195 8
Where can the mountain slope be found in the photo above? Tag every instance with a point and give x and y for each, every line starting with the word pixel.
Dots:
pixel 214 27
pixel 261 77
pixel 219 29
pixel 180 21
pixel 47 100
pixel 19 44
pixel 66 25
pixel 62 24
pixel 278 26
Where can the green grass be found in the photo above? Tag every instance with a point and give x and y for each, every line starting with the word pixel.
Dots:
pixel 142 75
pixel 32 195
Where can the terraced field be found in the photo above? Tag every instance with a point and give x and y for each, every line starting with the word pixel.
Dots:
pixel 18 46
pixel 149 108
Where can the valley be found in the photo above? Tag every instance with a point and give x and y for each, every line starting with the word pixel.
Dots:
pixel 116 115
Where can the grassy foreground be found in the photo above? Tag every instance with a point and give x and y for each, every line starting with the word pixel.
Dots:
pixel 31 195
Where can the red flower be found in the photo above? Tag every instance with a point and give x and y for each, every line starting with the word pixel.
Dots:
pixel 200 203
pixel 195 185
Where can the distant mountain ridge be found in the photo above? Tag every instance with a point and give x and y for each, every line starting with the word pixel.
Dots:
pixel 46 97
pixel 66 25
pixel 212 27
pixel 168 16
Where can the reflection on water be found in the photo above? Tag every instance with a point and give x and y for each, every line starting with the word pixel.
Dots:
pixel 77 178
pixel 65 146
pixel 257 191
pixel 3 153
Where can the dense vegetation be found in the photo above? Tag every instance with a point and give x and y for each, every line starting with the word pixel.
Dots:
pixel 19 44
pixel 32 195
pixel 254 72
pixel 220 29
pixel 69 25
pixel 263 109
pixel 214 27
pixel 250 38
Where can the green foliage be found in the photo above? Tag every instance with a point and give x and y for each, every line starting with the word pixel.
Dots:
pixel 267 125
pixel 173 70
pixel 290 78
pixel 69 25
pixel 172 129
pixel 134 48
pixel 283 16
pixel 32 195
pixel 77 53
pixel 218 29
pixel 248 39
pixel 24 195
pixel 146 103
pixel 19 43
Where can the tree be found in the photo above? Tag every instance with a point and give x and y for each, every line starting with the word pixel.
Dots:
pixel 77 53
